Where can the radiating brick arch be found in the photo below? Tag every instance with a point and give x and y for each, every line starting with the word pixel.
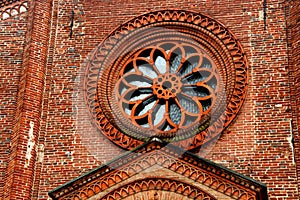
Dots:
pixel 126 123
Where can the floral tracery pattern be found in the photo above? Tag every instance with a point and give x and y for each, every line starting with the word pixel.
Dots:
pixel 167 87
pixel 127 124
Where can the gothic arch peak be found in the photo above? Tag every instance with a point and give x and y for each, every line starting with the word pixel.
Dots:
pixel 153 164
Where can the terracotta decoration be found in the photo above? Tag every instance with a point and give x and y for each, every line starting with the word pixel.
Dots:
pixel 175 75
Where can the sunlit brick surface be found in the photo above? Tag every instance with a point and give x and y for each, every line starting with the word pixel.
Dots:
pixel 42 59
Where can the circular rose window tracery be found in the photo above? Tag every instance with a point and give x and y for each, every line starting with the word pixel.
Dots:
pixel 176 75
pixel 167 87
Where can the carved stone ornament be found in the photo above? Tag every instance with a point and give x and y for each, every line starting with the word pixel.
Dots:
pixel 159 171
pixel 176 75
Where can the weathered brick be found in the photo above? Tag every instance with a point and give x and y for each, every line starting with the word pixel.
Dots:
pixel 42 60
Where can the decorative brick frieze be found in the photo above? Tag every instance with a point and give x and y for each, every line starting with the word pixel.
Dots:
pixel 9 10
pixel 169 157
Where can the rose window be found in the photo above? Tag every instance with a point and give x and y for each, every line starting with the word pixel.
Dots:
pixel 167 87
pixel 175 75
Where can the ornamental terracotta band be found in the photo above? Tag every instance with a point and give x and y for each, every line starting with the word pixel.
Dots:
pixel 7 2
pixel 158 188
pixel 11 8
pixel 175 75
pixel 134 175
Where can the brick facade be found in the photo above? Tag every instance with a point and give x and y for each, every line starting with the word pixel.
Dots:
pixel 293 33
pixel 12 42
pixel 42 61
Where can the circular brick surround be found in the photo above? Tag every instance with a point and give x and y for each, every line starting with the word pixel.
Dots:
pixel 176 75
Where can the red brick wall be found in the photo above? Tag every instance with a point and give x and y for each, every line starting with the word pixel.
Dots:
pixel 26 125
pixel 12 37
pixel 257 144
pixel 260 139
pixel 293 22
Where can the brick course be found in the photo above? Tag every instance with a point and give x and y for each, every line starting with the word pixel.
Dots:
pixel 12 36
pixel 45 87
pixel 21 163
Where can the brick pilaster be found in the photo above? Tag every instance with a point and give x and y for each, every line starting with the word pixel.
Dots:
pixel 24 139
